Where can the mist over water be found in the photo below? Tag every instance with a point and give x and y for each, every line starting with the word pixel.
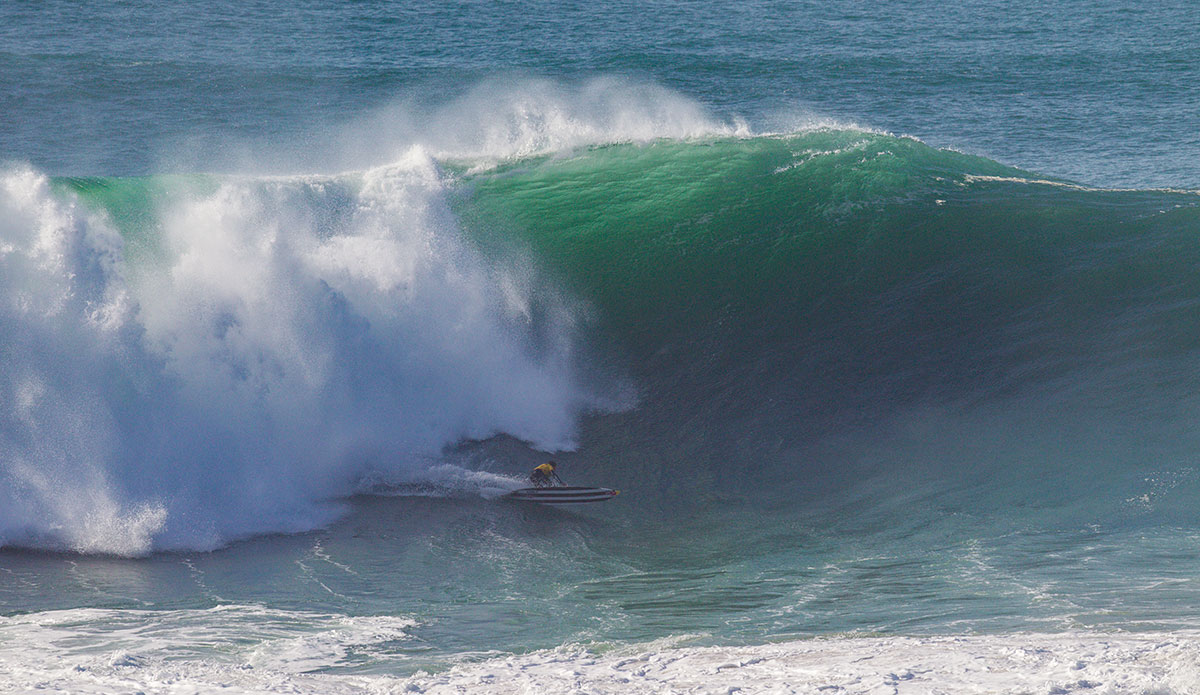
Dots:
pixel 274 342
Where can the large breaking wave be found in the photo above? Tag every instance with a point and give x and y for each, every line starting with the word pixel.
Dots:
pixel 191 359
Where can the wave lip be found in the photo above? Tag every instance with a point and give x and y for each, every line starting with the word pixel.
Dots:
pixel 515 118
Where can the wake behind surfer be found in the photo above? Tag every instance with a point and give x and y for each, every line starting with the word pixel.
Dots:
pixel 544 475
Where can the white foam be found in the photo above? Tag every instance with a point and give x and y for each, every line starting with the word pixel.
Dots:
pixel 285 338
pixel 250 649
pixel 229 649
pixel 440 479
pixel 64 323
pixel 1160 663
pixel 971 178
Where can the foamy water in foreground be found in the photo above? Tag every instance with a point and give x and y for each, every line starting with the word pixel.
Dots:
pixel 1159 664
pixel 248 649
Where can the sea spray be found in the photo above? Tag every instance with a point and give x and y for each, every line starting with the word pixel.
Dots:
pixel 265 357
pixel 493 122
pixel 68 337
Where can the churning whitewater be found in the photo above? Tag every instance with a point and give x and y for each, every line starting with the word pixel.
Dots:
pixel 274 342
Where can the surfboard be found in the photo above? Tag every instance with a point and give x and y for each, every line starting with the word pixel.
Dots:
pixel 562 495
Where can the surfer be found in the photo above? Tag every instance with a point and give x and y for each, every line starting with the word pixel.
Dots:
pixel 544 475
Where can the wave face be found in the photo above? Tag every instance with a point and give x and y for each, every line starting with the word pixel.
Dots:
pixel 805 312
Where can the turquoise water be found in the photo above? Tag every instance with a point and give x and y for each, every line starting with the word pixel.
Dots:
pixel 883 322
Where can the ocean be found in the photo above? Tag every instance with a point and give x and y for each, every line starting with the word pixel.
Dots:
pixel 882 317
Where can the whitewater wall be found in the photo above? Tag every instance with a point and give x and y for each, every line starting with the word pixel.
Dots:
pixel 265 355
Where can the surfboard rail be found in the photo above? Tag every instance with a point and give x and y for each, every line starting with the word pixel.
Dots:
pixel 566 494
